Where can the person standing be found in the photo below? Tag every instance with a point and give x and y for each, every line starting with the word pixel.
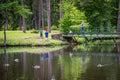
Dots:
pixel 41 33
pixel 46 34
pixel 83 29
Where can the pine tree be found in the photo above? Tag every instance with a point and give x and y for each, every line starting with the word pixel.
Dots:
pixel 48 15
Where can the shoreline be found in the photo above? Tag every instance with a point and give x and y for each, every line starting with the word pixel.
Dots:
pixel 32 49
pixel 28 39
pixel 39 45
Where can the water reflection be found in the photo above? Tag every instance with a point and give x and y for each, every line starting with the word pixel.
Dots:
pixel 64 64
pixel 98 48
pixel 6 64
pixel 83 62
pixel 118 47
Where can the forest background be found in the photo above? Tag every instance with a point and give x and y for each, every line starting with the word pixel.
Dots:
pixel 53 14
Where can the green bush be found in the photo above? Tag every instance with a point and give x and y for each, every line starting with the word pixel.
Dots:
pixel 35 31
pixel 72 16
pixel 65 24
pixel 54 27
pixel 75 30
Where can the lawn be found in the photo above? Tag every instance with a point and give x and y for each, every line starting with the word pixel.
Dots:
pixel 18 38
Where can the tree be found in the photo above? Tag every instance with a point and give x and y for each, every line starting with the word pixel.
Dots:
pixel 72 17
pixel 61 14
pixel 48 15
pixel 42 8
pixel 11 8
pixel 99 13
pixel 5 26
pixel 118 23
pixel 35 14
pixel 39 14
pixel 23 19
pixel 55 12
pixel 5 7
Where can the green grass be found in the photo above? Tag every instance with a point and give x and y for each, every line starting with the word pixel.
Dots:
pixel 28 38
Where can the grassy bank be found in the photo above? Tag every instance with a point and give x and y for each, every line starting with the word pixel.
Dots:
pixel 18 38
pixel 31 49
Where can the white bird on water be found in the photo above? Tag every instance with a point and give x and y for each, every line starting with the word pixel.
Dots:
pixel 6 65
pixel 100 65
pixel 53 78
pixel 36 66
pixel 16 60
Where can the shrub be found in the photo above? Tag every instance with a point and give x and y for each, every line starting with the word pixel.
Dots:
pixel 54 27
pixel 35 31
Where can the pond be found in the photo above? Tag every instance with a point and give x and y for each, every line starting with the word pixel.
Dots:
pixel 82 62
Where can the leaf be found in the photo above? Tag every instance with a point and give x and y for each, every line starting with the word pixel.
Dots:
pixel 23 11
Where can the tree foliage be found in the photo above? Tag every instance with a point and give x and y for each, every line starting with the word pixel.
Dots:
pixel 14 10
pixel 23 11
pixel 99 13
pixel 94 13
pixel 72 16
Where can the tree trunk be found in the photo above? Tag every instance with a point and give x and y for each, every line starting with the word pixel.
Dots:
pixel 118 23
pixel 35 14
pixel 20 22
pixel 0 26
pixel 42 8
pixel 24 24
pixel 48 15
pixel 5 26
pixel 23 19
pixel 61 14
pixel 35 20
pixel 39 14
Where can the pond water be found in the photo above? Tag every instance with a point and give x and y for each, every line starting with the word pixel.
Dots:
pixel 82 62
